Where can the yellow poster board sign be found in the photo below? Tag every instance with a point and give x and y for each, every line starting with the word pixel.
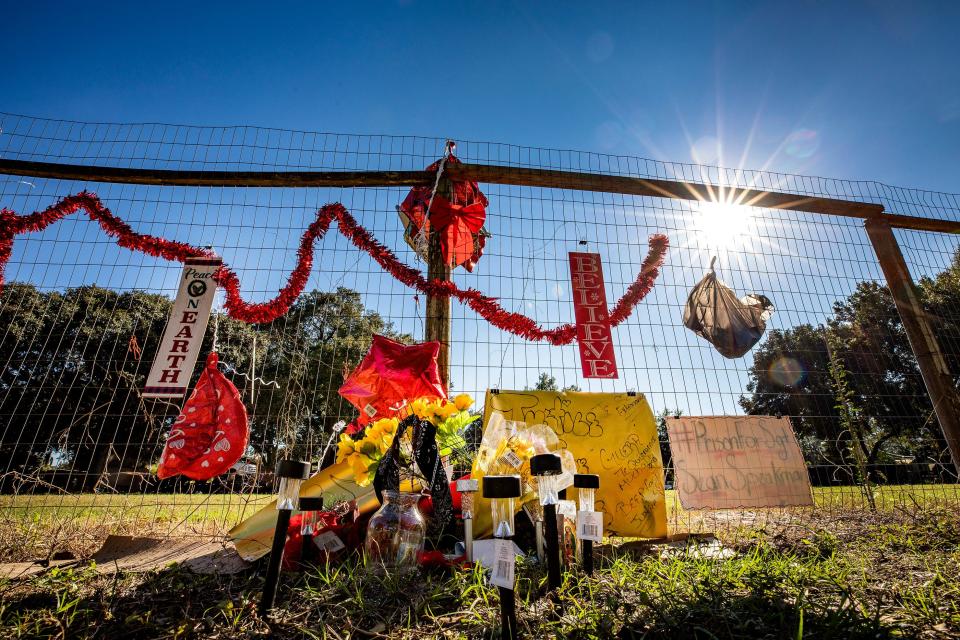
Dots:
pixel 613 435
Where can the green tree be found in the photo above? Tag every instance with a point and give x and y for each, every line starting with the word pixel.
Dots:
pixel 794 374
pixel 547 382
pixel 71 378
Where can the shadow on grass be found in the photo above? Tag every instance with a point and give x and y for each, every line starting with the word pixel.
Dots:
pixel 714 615
pixel 80 603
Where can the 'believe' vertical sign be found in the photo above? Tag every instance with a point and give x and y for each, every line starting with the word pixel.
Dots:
pixel 593 323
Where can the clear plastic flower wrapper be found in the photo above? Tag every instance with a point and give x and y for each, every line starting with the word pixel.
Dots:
pixel 507 447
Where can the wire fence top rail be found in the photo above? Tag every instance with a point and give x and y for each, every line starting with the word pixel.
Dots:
pixel 294 157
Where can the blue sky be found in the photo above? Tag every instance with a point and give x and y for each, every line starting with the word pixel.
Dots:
pixel 861 90
pixel 849 90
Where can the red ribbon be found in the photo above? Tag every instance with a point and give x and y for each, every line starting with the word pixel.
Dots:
pixel 12 225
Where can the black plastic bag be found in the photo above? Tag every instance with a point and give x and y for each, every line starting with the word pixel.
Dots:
pixel 715 314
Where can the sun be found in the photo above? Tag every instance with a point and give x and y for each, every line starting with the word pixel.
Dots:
pixel 720 225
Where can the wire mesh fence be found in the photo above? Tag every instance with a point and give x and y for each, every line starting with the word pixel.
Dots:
pixel 82 318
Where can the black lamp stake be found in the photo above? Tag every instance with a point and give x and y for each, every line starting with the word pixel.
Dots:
pixel 308 527
pixel 587 483
pixel 502 491
pixel 547 467
pixel 291 474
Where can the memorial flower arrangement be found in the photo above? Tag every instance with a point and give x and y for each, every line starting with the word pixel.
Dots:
pixel 364 453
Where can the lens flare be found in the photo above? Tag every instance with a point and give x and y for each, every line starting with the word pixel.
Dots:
pixel 787 371
pixel 600 46
pixel 706 150
pixel 802 144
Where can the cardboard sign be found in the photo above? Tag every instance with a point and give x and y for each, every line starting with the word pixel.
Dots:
pixel 728 462
pixel 613 435
pixel 590 309
pixel 180 346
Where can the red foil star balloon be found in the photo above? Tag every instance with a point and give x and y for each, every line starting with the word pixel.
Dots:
pixel 391 374
pixel 211 432
pixel 457 215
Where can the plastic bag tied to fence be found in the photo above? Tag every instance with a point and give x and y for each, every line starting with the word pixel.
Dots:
pixel 733 326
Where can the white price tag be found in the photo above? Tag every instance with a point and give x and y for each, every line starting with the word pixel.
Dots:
pixel 370 410
pixel 504 562
pixel 329 541
pixel 512 459
pixel 590 525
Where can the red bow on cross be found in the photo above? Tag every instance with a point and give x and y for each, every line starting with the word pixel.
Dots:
pixel 457 214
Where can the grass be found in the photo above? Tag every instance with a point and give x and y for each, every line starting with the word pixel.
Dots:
pixel 42 526
pixel 894 576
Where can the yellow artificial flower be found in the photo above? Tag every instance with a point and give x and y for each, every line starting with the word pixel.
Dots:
pixel 368 447
pixel 385 425
pixel 361 469
pixel 463 402
pixel 374 431
pixel 444 411
pixel 390 425
pixel 385 440
pixel 345 447
pixel 419 408
pixel 430 410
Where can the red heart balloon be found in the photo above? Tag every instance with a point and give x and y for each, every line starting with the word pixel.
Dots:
pixel 211 432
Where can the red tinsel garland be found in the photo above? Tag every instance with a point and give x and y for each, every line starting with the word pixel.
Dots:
pixel 12 225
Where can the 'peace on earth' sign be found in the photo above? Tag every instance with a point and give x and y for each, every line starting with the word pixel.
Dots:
pixel 726 462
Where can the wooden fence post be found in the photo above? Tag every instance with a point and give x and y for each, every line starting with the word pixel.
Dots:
pixel 933 366
pixel 437 326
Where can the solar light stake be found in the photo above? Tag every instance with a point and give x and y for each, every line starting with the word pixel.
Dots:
pixel 503 491
pixel 291 473
pixel 310 509
pixel 466 488
pixel 587 484
pixel 547 468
